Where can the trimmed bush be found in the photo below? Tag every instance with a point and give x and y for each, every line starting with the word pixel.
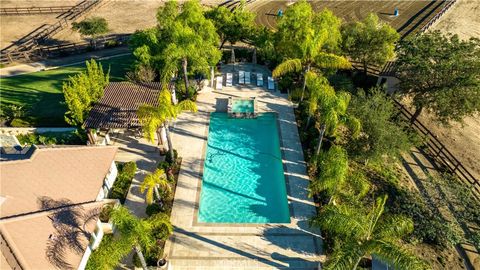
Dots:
pixel 120 188
pixel 49 138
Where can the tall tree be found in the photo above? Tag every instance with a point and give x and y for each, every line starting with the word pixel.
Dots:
pixel 92 27
pixel 370 41
pixel 382 136
pixel 330 108
pixel 441 74
pixel 191 42
pixel 81 91
pixel 131 232
pixel 152 182
pixel 154 118
pixel 232 25
pixel 137 231
pixel 366 233
pixel 306 40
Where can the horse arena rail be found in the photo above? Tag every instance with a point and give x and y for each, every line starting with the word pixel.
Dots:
pixel 66 49
pixel 18 11
pixel 27 49
pixel 440 154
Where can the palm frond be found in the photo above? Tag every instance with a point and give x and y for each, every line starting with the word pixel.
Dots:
pixel 345 257
pixel 287 66
pixel 376 212
pixel 331 61
pixel 359 184
pixel 395 256
pixel 342 221
pixel 391 227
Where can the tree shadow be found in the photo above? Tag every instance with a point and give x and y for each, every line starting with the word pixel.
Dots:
pixel 70 222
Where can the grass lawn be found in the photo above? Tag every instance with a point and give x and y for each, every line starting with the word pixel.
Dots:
pixel 40 93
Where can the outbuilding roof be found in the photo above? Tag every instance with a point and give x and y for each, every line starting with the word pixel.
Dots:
pixel 119 104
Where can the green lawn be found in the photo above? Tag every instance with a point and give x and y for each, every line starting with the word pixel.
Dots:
pixel 40 93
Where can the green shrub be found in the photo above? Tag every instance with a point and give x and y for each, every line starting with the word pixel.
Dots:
pixel 430 227
pixel 109 253
pixel 129 169
pixel 49 138
pixel 163 165
pixel 153 209
pixel 120 188
pixel 168 157
pixel 111 43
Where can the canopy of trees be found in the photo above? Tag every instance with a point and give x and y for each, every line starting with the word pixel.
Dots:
pixel 81 91
pixel 183 40
pixel 382 136
pixel 370 41
pixel 441 74
pixel 232 26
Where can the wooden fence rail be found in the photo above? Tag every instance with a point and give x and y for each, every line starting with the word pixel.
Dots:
pixel 26 50
pixel 440 154
pixel 17 11
pixel 65 49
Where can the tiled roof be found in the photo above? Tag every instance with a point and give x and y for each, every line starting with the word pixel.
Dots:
pixel 76 173
pixel 119 104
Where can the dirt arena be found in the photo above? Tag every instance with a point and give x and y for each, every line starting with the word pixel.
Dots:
pixel 412 14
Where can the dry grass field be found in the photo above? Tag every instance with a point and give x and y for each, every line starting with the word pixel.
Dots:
pixel 123 16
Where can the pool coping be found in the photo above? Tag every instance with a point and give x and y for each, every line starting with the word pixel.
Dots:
pixel 200 180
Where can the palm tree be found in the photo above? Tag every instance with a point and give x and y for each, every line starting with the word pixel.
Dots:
pixel 154 118
pixel 307 38
pixel 130 231
pixel 332 113
pixel 366 233
pixel 335 179
pixel 137 231
pixel 151 183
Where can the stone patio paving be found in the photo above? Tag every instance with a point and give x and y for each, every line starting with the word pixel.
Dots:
pixel 232 246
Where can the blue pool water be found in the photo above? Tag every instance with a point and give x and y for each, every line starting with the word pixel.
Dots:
pixel 242 106
pixel 243 180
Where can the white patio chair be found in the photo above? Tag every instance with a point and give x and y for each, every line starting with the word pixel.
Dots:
pixel 259 79
pixel 241 77
pixel 229 81
pixel 219 84
pixel 247 77
pixel 271 83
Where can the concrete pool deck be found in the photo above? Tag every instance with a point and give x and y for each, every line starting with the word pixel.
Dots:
pixel 240 246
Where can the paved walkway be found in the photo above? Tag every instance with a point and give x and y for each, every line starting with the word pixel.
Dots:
pixel 146 155
pixel 270 246
pixel 63 61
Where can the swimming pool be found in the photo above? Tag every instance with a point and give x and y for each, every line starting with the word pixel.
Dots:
pixel 243 179
pixel 243 106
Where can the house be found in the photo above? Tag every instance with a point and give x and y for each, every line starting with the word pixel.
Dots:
pixel 50 201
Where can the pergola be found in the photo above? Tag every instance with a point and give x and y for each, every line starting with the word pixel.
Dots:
pixel 117 109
